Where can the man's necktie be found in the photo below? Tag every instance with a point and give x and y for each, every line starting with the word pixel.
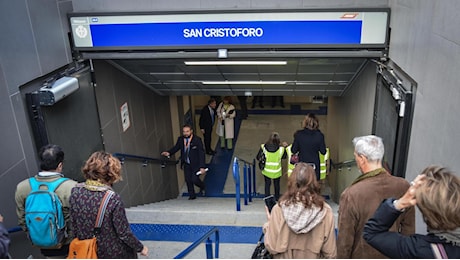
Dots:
pixel 187 150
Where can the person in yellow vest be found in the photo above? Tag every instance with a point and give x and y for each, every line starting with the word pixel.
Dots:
pixel 322 164
pixel 289 153
pixel 274 152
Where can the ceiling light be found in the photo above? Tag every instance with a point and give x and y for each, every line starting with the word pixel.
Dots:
pixel 228 62
pixel 243 82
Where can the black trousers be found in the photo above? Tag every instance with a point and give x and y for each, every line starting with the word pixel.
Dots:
pixel 276 184
pixel 192 179
pixel 207 139
pixel 244 106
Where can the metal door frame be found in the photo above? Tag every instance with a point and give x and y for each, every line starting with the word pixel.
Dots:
pixel 402 87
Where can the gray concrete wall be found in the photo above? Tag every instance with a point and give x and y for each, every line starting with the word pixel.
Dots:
pixel 349 116
pixel 425 43
pixel 149 134
pixel 189 5
pixel 33 44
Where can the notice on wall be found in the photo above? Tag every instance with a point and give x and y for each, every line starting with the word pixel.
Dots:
pixel 125 116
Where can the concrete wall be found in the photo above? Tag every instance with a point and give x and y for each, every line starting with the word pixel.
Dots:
pixel 349 116
pixel 425 43
pixel 33 43
pixel 149 134
pixel 181 5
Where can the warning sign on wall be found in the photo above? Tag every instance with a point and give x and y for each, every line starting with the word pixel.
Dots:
pixel 125 116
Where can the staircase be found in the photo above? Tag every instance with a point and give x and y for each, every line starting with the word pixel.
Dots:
pixel 168 227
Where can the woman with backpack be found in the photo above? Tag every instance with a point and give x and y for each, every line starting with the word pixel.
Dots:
pixel 115 238
pixel 272 152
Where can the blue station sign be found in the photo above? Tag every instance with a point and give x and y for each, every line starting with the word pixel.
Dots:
pixel 288 29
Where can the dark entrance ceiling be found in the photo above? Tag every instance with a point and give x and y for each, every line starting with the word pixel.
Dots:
pixel 315 74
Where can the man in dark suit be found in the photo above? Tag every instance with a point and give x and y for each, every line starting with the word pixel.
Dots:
pixel 192 159
pixel 207 118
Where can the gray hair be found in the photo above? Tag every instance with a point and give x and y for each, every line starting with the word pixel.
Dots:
pixel 370 146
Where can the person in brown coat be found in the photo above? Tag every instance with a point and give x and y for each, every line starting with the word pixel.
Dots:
pixel 359 201
pixel 301 224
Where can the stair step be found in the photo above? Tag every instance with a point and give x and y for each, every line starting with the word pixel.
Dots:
pixel 202 211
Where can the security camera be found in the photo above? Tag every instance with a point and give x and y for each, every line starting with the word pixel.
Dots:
pixel 53 93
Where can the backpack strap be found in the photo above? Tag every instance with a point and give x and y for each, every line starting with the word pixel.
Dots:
pixel 52 185
pixel 102 208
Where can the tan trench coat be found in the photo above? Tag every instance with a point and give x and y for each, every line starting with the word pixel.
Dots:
pixel 228 121
pixel 283 243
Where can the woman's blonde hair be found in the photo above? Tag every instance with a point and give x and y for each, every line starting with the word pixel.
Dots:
pixel 303 187
pixel 310 122
pixel 102 166
pixel 438 198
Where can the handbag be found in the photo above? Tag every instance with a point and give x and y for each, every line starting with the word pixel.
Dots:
pixel 262 160
pixel 260 252
pixel 87 248
pixel 294 158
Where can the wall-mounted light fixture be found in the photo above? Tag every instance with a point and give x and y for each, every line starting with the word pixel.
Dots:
pixel 235 63
pixel 243 82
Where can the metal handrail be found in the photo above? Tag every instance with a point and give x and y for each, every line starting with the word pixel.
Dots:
pixel 347 163
pixel 242 160
pixel 145 160
pixel 206 236
pixel 14 229
pixel 249 180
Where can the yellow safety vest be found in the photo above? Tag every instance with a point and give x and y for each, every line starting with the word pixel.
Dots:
pixel 322 164
pixel 273 167
pixel 290 166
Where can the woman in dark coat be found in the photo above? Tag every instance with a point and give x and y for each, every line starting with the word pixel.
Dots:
pixel 436 192
pixel 115 239
pixel 309 142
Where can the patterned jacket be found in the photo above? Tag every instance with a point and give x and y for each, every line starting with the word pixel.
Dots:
pixel 115 239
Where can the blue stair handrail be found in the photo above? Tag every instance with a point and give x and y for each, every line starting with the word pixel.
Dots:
pixel 248 180
pixel 195 244
pixel 145 160
pixel 14 229
pixel 236 178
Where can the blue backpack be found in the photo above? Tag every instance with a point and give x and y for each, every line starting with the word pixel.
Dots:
pixel 43 214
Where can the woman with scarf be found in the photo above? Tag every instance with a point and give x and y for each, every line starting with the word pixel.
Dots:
pixel 301 224
pixel 436 192
pixel 115 238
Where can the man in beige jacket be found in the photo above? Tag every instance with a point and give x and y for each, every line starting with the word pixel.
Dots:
pixel 51 162
pixel 359 201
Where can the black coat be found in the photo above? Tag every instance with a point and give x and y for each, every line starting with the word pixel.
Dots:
pixel 206 121
pixel 396 245
pixel 308 143
pixel 196 153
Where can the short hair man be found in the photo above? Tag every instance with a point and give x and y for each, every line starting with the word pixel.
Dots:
pixel 359 201
pixel 207 119
pixel 51 162
pixel 192 159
